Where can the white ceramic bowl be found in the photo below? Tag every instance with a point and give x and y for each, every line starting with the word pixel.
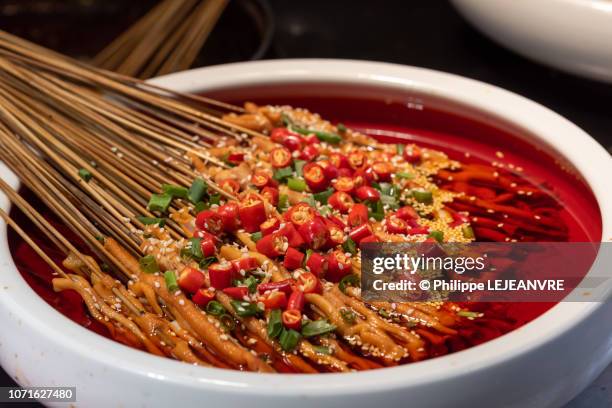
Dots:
pixel 572 35
pixel 544 363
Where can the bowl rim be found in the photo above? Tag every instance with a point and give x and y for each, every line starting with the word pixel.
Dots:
pixel 591 160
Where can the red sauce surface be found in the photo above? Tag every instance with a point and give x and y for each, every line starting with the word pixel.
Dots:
pixel 394 122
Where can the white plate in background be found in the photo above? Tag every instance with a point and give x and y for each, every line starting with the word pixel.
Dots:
pixel 572 35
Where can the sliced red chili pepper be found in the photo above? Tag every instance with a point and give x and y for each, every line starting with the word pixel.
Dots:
pixel 317 264
pixel 344 184
pixel 296 300
pixel 368 175
pixel 208 247
pixel 309 283
pixel 245 264
pixel 360 232
pixel 236 292
pixel 330 171
pixel 271 194
pixel 315 178
pixel 367 193
pixel 315 233
pixel 358 215
pixel 412 153
pixel 280 157
pixel 274 300
pixel 309 152
pixel 220 275
pixel 417 230
pixel 339 265
pixel 230 185
pixel 292 319
pixel 210 221
pixel 383 170
pixel 252 213
pixel 269 226
pixel 311 139
pixel 293 259
pixel 202 297
pixel 294 238
pixel 260 178
pixel 282 286
pixel 344 172
pixel 336 221
pixel 340 201
pixel 190 280
pixel 229 216
pixel 357 159
pixel 292 142
pixel 299 214
pixel 336 235
pixel 396 225
pixel 278 134
pixel 272 245
pixel 339 160
pixel 235 158
pixel 407 213
pixel 371 238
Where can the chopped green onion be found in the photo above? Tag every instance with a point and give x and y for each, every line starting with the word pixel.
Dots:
pixel 341 128
pixel 348 280
pixel 286 119
pixel 197 190
pixel 348 315
pixel 467 313
pixel 175 191
pixel 148 264
pixel 215 199
pixel 227 322
pixel 376 210
pixel 384 313
pixel 325 210
pixel 152 221
pixel 159 202
pixel 468 232
pixel 399 148
pixel 349 246
pixel 283 203
pixel 296 184
pixel 389 201
pixel 323 196
pixel 195 251
pixel 299 166
pixel 322 350
pixel 105 267
pixel 317 327
pixel 310 201
pixel 281 174
pixel 404 175
pixel 215 308
pixel 275 324
pixel 309 252
pixel 245 309
pixel 206 262
pixel 437 235
pixel 85 174
pixel 256 236
pixel 326 137
pixel 424 197
pixel 171 283
pixel 289 339
pixel 201 206
pixel 251 283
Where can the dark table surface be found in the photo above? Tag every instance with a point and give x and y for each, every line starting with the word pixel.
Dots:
pixel 430 34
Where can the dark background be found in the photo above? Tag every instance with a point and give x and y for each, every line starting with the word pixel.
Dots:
pixel 425 33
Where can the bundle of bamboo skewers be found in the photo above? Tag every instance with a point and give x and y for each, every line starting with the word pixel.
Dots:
pixel 167 39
